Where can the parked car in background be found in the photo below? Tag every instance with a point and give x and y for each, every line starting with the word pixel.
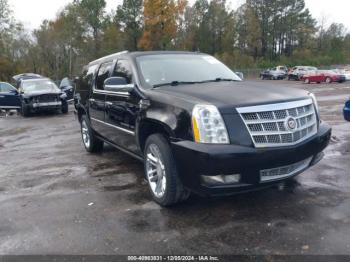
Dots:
pixel 282 68
pixel 344 72
pixel 41 94
pixel 297 72
pixel 25 76
pixel 273 74
pixel 346 110
pixel 195 125
pixel 67 86
pixel 319 76
pixel 9 97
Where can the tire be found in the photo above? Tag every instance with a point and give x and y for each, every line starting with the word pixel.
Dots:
pixel 159 161
pixel 25 111
pixel 307 81
pixel 64 108
pixel 91 143
pixel 328 80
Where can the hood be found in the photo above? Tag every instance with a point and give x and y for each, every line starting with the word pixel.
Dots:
pixel 226 95
pixel 39 93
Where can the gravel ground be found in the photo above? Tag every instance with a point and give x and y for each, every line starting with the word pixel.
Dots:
pixel 57 199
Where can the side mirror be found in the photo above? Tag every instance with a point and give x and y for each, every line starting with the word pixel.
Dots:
pixel 14 91
pixel 240 74
pixel 117 84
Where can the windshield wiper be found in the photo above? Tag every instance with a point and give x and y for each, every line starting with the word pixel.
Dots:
pixel 176 83
pixel 219 79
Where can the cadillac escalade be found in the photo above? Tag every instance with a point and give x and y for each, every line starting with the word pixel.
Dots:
pixel 195 125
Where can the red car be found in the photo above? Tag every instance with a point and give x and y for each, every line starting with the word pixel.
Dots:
pixel 319 76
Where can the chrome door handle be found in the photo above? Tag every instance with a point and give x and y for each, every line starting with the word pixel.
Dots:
pixel 109 103
pixel 92 100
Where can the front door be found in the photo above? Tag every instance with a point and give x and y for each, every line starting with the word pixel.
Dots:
pixel 97 99
pixel 121 110
pixel 9 98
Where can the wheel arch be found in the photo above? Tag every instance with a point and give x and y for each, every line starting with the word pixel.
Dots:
pixel 80 112
pixel 147 127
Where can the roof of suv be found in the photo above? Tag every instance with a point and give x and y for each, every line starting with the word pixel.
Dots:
pixel 138 53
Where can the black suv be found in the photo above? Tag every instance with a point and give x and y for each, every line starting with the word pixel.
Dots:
pixel 196 126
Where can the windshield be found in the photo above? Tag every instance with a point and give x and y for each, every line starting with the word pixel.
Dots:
pixel 186 68
pixel 39 86
pixel 65 82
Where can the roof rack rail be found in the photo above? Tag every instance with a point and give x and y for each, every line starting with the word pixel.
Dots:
pixel 109 56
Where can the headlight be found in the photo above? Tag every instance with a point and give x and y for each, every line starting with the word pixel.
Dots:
pixel 315 103
pixel 208 125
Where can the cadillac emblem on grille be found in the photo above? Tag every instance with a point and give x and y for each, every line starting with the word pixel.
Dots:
pixel 291 123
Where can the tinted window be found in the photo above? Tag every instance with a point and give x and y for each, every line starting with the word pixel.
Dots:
pixel 5 88
pixel 123 69
pixel 103 74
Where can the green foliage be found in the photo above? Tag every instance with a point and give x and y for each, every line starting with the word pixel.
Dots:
pixel 129 17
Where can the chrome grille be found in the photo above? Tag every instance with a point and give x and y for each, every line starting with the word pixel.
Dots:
pixel 268 124
pixel 268 175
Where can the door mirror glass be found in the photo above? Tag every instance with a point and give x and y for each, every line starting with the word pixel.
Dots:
pixel 117 84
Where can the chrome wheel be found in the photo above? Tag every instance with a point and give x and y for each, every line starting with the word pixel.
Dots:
pixel 85 134
pixel 155 171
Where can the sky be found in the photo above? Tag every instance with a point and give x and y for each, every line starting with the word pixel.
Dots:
pixel 32 12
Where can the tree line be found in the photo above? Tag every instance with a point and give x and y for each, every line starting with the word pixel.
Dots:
pixel 259 33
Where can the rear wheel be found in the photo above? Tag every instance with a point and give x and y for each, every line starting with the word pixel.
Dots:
pixel 161 172
pixel 91 143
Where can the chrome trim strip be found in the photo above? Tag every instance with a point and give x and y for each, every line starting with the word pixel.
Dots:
pixel 10 107
pixel 104 92
pixel 274 107
pixel 302 165
pixel 116 127
pixel 59 103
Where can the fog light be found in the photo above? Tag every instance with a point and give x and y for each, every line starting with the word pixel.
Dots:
pixel 221 180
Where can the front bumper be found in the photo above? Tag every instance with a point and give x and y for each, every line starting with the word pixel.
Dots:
pixel 195 160
pixel 44 106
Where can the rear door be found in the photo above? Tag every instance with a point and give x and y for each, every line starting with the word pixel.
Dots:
pixel 97 99
pixel 121 109
pixel 9 98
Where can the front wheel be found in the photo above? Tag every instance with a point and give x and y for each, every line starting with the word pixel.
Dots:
pixel 64 108
pixel 25 111
pixel 161 172
pixel 91 143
